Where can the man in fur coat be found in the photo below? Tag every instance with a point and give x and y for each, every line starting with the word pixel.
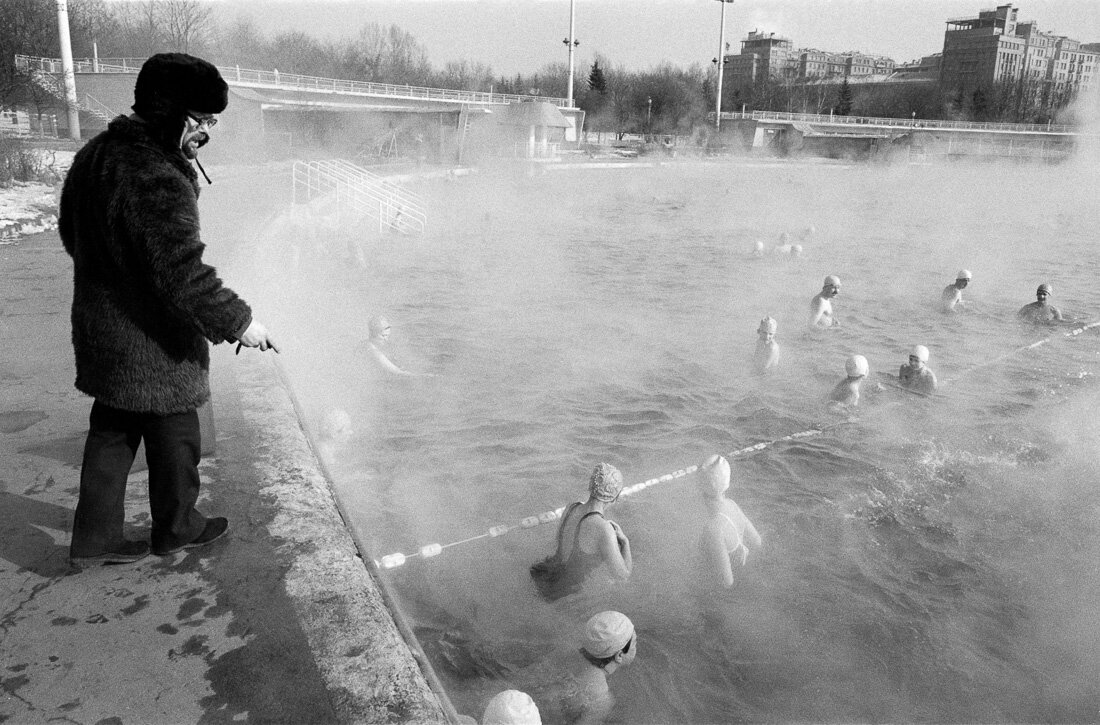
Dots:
pixel 144 307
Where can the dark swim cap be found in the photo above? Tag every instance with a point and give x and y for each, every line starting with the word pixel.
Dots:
pixel 1044 287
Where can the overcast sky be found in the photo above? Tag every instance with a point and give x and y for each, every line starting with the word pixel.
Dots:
pixel 521 36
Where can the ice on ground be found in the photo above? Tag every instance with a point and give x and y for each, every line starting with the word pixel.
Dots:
pixel 26 208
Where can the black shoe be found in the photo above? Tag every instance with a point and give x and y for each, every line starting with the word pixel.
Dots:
pixel 126 553
pixel 215 529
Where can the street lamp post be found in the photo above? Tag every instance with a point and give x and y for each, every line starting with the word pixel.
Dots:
pixel 571 43
pixel 67 69
pixel 721 67
pixel 648 113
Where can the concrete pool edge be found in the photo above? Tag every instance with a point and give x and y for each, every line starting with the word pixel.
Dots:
pixel 372 665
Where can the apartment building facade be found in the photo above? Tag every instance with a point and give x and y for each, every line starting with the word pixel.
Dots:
pixel 994 47
pixel 766 56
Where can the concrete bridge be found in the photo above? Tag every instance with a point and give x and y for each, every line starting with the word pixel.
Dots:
pixel 295 110
pixel 918 139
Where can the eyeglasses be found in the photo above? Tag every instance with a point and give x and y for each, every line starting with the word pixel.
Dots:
pixel 1041 294
pixel 208 121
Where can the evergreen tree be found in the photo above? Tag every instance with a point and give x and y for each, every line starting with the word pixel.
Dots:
pixel 596 81
pixel 844 99
pixel 979 105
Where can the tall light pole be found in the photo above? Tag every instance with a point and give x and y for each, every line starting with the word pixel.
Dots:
pixel 721 67
pixel 571 43
pixel 67 69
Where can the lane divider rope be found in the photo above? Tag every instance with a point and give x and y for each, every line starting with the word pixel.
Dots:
pixel 427 551
pixel 391 561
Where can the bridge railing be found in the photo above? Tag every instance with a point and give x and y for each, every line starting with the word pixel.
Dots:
pixel 292 81
pixel 928 123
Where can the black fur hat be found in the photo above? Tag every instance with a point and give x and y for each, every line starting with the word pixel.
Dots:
pixel 170 84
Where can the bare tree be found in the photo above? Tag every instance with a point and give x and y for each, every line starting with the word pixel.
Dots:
pixel 240 42
pixel 139 25
pixel 186 25
pixel 463 75
pixel 296 52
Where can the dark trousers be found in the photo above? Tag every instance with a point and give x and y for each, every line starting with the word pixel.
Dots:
pixel 172 445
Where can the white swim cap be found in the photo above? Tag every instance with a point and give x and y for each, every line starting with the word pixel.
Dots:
pixel 606 633
pixel 796 249
pixel 714 475
pixel 511 707
pixel 769 325
pixel 758 246
pixel 963 274
pixel 832 281
pixel 920 352
pixel 377 324
pixel 856 366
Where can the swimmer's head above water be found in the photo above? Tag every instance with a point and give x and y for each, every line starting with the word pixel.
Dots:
pixel 831 286
pixel 962 278
pixel 608 637
pixel 768 326
pixel 511 707
pixel 378 327
pixel 857 367
pixel 1043 292
pixel 605 483
pixel 919 353
pixel 714 476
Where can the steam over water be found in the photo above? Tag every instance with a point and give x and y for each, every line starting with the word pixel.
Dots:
pixel 927 561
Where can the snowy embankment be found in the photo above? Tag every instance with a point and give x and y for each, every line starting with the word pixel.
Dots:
pixel 28 207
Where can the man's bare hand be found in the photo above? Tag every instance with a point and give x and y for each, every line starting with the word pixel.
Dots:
pixel 257 336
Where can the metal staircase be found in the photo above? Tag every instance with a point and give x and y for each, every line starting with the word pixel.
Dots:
pixel 53 85
pixel 360 192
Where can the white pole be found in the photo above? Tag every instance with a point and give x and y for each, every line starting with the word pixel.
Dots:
pixel 67 70
pixel 95 57
pixel 721 66
pixel 571 44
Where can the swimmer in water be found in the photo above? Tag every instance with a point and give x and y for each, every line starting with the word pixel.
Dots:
pixel 788 250
pixel 379 329
pixel 846 392
pixel 767 349
pixel 336 431
pixel 821 306
pixel 727 533
pixel 511 707
pixel 757 250
pixel 952 293
pixel 588 541
pixel 572 686
pixel 916 375
pixel 1040 310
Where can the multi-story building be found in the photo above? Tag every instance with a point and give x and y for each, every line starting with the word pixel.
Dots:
pixel 767 56
pixel 995 48
pixel 763 55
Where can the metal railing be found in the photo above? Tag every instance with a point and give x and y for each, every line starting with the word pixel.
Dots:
pixel 923 123
pixel 235 75
pixel 98 109
pixel 362 191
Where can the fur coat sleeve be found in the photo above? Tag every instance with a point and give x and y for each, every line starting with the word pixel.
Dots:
pixel 144 302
